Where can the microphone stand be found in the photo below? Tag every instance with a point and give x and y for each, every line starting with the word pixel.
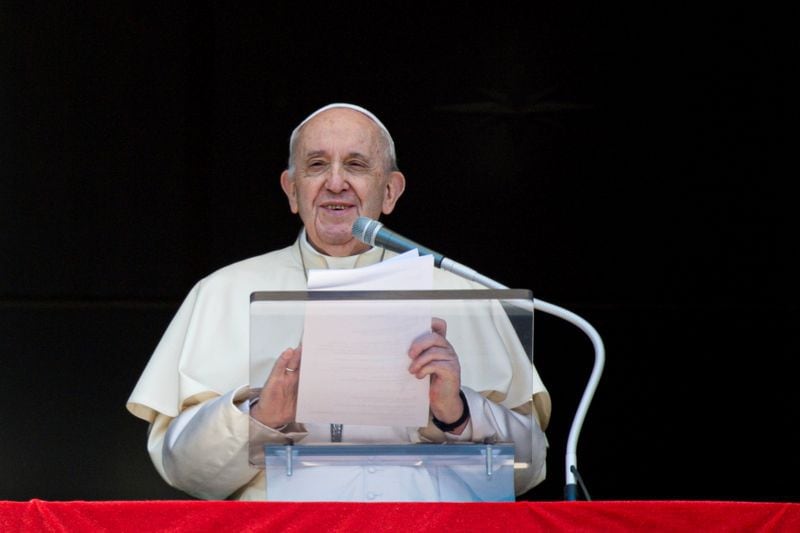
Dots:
pixel 571 459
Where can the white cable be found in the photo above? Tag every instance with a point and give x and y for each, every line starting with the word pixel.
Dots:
pixel 571 459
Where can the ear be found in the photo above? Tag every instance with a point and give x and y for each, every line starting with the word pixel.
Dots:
pixel 395 186
pixel 288 186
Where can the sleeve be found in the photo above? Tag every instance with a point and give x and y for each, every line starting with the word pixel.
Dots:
pixel 491 422
pixel 204 451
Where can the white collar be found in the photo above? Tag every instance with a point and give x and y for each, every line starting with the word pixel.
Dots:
pixel 314 259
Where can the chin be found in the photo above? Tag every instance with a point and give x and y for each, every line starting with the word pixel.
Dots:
pixel 327 240
pixel 338 233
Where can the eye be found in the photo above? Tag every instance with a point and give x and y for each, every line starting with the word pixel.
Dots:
pixel 357 164
pixel 316 165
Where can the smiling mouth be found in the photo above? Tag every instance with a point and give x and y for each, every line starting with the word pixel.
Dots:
pixel 337 207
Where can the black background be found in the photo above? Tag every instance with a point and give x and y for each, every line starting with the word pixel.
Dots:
pixel 632 165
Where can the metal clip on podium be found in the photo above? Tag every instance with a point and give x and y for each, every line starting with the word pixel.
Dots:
pixel 366 471
pixel 492 456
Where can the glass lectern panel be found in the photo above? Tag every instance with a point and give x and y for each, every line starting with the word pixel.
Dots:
pixel 357 420
pixel 390 472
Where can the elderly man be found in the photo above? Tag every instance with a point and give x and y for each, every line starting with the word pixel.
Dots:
pixel 194 391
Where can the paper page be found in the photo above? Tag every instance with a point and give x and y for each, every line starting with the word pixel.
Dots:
pixel 354 367
pixel 407 271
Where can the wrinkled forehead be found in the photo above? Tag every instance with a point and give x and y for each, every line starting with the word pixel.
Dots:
pixel 341 105
pixel 357 111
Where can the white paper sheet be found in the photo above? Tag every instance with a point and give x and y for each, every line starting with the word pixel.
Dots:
pixel 354 367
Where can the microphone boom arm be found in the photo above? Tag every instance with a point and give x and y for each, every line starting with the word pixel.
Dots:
pixel 374 233
pixel 571 459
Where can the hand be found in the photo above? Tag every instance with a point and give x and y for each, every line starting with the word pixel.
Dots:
pixel 277 402
pixel 432 355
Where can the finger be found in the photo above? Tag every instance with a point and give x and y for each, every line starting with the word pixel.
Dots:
pixel 292 360
pixel 289 358
pixel 439 370
pixel 434 357
pixel 439 326
pixel 426 342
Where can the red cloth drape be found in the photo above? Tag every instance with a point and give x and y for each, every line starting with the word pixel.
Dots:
pixel 650 516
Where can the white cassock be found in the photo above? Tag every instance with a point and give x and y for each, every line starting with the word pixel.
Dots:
pixel 195 387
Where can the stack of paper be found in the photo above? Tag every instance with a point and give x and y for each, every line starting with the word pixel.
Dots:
pixel 354 367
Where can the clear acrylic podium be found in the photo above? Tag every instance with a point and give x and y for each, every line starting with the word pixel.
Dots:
pixel 315 469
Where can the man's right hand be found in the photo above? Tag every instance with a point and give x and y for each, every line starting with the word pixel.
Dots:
pixel 277 402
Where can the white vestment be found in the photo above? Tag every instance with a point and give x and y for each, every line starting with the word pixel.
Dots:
pixel 193 390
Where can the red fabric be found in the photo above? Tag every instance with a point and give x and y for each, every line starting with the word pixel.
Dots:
pixel 651 516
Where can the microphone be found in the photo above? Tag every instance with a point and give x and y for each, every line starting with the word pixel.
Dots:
pixel 374 233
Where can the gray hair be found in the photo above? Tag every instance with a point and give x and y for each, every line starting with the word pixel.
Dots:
pixel 390 156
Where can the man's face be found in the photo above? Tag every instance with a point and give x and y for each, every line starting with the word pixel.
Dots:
pixel 340 173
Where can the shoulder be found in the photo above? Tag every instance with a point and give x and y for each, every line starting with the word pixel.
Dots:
pixel 275 269
pixel 284 257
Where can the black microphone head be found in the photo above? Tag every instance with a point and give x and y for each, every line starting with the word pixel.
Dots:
pixel 365 229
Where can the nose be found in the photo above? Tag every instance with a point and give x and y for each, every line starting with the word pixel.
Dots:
pixel 337 180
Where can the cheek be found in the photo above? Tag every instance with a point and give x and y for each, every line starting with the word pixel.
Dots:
pixel 304 196
pixel 293 200
pixel 375 196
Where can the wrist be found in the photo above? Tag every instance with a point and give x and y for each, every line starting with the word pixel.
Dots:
pixel 455 424
pixel 256 412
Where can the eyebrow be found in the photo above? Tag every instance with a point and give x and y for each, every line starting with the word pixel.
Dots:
pixel 317 153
